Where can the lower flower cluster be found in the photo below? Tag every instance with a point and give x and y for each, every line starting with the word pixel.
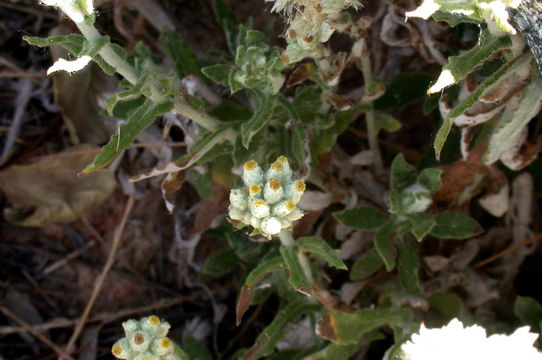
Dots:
pixel 145 340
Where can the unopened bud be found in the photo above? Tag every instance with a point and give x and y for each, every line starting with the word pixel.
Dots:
pixel 130 326
pixel 276 171
pixel 151 324
pixel 235 213
pixel 238 198
pixel 295 190
pixel 162 346
pixel 255 191
pixel 416 198
pixel 255 222
pixel 259 209
pixel 139 341
pixel 121 349
pixel 284 208
pixel 273 191
pixel 252 173
pixel 283 160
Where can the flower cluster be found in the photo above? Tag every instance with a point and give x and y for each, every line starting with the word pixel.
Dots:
pixel 145 340
pixel 454 341
pixel 268 200
pixel 309 25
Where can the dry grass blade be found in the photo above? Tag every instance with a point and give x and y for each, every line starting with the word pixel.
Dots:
pixel 101 278
pixel 507 251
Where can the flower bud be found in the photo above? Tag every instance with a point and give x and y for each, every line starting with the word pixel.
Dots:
pixel 252 173
pixel 121 349
pixel 416 198
pixel 235 213
pixel 271 226
pixel 150 324
pixel 139 341
pixel 238 198
pixel 254 191
pixel 247 216
pixel 283 208
pixel 285 165
pixel 273 191
pixel 162 346
pixel 276 171
pixel 130 326
pixel 164 328
pixel 295 190
pixel 259 209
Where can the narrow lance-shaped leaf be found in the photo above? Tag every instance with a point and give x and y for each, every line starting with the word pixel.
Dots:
pixel 270 336
pixel 255 276
pixel 459 67
pixel 320 248
pixel 185 60
pixel 362 218
pixel 482 89
pixel 258 120
pixel 138 121
pixel 218 264
pixel 297 277
pixel 384 244
pixel 408 265
pixel 507 132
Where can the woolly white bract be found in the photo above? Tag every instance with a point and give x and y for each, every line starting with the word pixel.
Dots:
pixel 456 342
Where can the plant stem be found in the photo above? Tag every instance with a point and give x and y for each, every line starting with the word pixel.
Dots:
pixel 288 241
pixel 372 134
pixel 128 72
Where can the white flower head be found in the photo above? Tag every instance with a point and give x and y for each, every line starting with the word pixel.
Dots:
pixel 456 342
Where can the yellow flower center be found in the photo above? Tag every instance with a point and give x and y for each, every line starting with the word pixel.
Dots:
pixel 250 165
pixel 274 184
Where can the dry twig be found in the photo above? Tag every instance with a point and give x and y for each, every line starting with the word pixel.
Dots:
pixel 101 278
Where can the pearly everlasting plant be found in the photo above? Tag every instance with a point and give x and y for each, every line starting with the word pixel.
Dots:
pixel 268 200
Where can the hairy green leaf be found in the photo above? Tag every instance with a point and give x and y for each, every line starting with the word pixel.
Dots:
pixel 138 121
pixel 320 248
pixel 219 73
pixel 258 120
pixel 297 277
pixel 488 84
pixel 268 338
pixel 408 265
pixel 362 218
pixel 422 224
pixel 344 328
pixel 459 67
pixel 185 60
pixel 508 130
pixel 451 225
pixel 384 244
pixel 366 265
pixel 218 264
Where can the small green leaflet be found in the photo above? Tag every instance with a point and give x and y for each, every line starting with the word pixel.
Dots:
pixel 384 244
pixel 219 73
pixel 366 265
pixel 218 264
pixel 408 265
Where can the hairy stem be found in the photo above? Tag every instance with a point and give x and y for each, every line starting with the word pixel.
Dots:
pixel 181 107
pixel 372 134
pixel 287 240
